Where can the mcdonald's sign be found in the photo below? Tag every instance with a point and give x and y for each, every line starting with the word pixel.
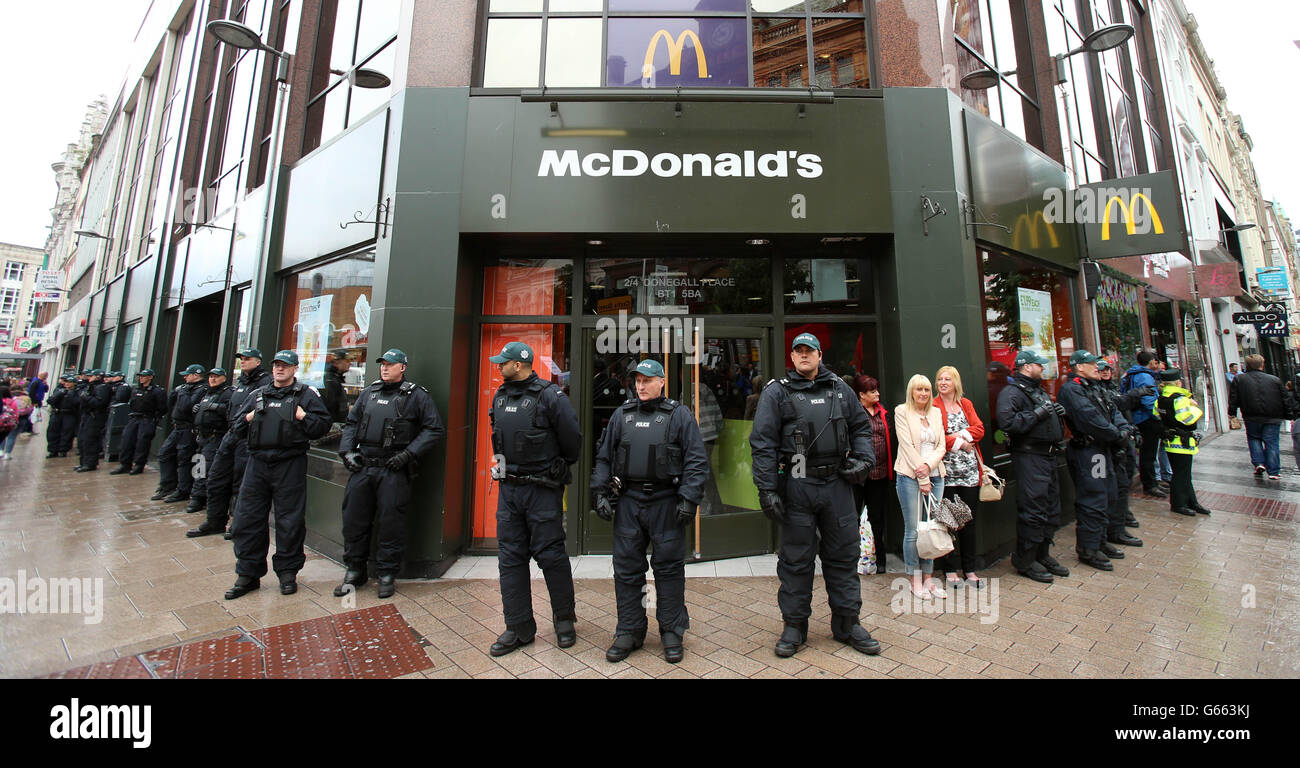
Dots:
pixel 1027 222
pixel 675 53
pixel 1141 204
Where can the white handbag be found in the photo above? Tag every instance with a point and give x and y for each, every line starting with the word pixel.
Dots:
pixel 932 537
pixel 866 545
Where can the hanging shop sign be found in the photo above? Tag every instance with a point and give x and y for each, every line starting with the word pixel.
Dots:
pixel 1132 216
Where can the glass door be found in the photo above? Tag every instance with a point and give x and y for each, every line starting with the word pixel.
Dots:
pixel 716 372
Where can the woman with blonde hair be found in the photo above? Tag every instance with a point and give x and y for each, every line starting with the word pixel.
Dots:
pixel 919 470
pixel 962 471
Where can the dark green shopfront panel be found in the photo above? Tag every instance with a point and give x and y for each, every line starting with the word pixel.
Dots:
pixel 638 167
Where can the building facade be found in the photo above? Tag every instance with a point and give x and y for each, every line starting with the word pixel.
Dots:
pixel 18 302
pixel 611 179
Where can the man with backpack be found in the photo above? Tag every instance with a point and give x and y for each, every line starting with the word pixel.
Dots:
pixel 1143 376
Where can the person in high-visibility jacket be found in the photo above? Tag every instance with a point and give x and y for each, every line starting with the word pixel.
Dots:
pixel 1179 414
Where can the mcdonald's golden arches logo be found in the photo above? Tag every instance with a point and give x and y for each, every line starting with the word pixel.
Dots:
pixel 1031 223
pixel 1126 210
pixel 675 53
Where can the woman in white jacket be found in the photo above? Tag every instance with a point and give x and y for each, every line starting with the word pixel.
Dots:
pixel 919 471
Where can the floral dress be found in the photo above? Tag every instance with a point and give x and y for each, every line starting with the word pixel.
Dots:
pixel 962 467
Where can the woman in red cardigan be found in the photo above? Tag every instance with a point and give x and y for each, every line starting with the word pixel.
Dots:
pixel 878 490
pixel 964 430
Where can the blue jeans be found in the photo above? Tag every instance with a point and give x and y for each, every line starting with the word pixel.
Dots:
pixel 8 440
pixel 1262 439
pixel 909 497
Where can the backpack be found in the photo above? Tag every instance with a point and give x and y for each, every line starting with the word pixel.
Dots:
pixel 8 416
pixel 24 405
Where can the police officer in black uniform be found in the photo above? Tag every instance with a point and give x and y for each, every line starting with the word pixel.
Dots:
pixel 211 422
pixel 392 426
pixel 146 403
pixel 177 453
pixel 1124 455
pixel 1094 433
pixel 536 439
pixel 63 402
pixel 278 420
pixel 1032 423
pixel 811 442
pixel 332 393
pixel 93 409
pixel 653 458
pixel 226 471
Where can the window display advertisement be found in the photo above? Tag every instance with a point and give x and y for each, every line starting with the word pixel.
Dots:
pixel 1036 330
pixel 313 333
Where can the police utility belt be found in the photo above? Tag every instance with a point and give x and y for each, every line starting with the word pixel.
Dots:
pixel 542 480
pixel 821 472
pixel 1042 447
pixel 1082 441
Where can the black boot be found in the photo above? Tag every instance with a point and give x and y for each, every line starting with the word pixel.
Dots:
pixel 205 529
pixel 565 633
pixel 1024 559
pixel 243 585
pixel 792 638
pixel 353 579
pixel 161 493
pixel 197 504
pixel 138 471
pixel 1094 558
pixel 118 471
pixel 1123 537
pixel 623 647
pixel 847 630
pixel 288 582
pixel 1196 507
pixel 176 496
pixel 1132 522
pixel 673 652
pixel 1049 563
pixel 1111 551
pixel 513 638
pixel 387 586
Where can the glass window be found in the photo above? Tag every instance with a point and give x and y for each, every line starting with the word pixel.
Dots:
pixel 528 287
pixel 514 49
pixel 1119 305
pixel 841 41
pixel 105 353
pixel 830 286
pixel 130 354
pixel 777 6
pixel 780 49
pixel 1026 306
pixel 848 349
pixel 352 34
pixel 666 53
pixel 573 53
pixel 993 36
pixel 327 307
pixel 13 270
pixel 678 286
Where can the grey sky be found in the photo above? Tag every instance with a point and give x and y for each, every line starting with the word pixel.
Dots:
pixel 66 52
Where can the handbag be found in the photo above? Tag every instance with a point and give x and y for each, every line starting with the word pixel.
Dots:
pixel 866 545
pixel 1234 422
pixel 953 513
pixel 993 486
pixel 932 537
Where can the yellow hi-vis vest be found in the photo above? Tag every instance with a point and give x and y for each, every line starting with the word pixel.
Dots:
pixel 1186 412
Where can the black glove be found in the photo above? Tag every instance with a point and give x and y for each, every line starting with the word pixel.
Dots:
pixel 772 506
pixel 604 509
pixel 399 460
pixel 855 470
pixel 1060 409
pixel 685 511
pixel 352 460
pixel 1043 411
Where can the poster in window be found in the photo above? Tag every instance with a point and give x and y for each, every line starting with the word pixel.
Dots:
pixel 313 336
pixel 1036 331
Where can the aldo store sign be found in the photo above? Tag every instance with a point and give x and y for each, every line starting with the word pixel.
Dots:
pixel 645 167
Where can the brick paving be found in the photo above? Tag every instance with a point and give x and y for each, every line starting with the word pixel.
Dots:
pixel 1214 596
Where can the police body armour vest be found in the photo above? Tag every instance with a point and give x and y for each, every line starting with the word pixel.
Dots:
pixel 274 425
pixel 520 429
pixel 182 412
pixel 212 415
pixel 142 401
pixel 384 423
pixel 813 423
pixel 644 454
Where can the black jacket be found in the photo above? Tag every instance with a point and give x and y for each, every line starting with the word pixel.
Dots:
pixel 682 430
pixel 313 426
pixel 419 409
pixel 1259 396
pixel 333 396
pixel 1090 412
pixel 1027 430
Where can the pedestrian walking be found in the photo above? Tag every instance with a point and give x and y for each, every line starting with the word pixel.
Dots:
pixel 1180 415
pixel 877 491
pixel 919 471
pixel 8 422
pixel 963 473
pixel 146 404
pixel 1264 403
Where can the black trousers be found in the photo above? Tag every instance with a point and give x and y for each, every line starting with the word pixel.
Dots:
pixel 820 521
pixel 638 523
pixel 225 474
pixel 137 437
pixel 881 501
pixel 376 498
pixel 1038 499
pixel 964 557
pixel 1149 452
pixel 530 524
pixel 90 439
pixel 1181 493
pixel 60 432
pixel 175 460
pixel 1093 474
pixel 1118 510
pixel 208 447
pixel 283 483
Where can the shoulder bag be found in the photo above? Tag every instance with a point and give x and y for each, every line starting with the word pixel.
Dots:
pixel 953 513
pixel 993 486
pixel 932 537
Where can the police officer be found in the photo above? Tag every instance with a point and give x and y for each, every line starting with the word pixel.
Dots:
pixel 226 471
pixel 1094 433
pixel 337 365
pixel 93 409
pixel 536 439
pixel 62 428
pixel 146 404
pixel 1179 416
pixel 811 442
pixel 177 452
pixel 1124 455
pixel 1032 423
pixel 211 421
pixel 392 426
pixel 277 420
pixel 653 458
